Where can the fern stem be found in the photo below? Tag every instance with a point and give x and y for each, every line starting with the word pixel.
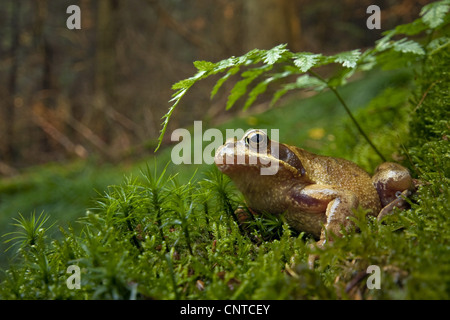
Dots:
pixel 347 109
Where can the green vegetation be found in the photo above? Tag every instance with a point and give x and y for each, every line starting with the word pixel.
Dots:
pixel 162 236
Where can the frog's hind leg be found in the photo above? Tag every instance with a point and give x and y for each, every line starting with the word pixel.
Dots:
pixel 317 205
pixel 338 206
pixel 338 212
pixel 394 184
pixel 399 203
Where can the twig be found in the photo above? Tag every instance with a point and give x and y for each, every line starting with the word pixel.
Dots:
pixel 89 135
pixel 40 119
pixel 424 95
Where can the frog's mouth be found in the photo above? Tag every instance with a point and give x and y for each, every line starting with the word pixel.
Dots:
pixel 233 156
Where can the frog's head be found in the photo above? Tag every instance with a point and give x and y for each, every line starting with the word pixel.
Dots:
pixel 256 155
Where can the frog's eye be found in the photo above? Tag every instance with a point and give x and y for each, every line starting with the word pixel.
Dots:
pixel 256 139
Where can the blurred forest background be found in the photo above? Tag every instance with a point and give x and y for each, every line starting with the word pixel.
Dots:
pixel 101 91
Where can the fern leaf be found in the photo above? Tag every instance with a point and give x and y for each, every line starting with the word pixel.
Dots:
pixel 182 84
pixel 176 99
pixel 438 44
pixel 385 42
pixel 204 65
pixel 252 57
pixel 187 83
pixel 240 88
pixel 305 61
pixel 222 80
pixel 302 82
pixel 413 28
pixel 224 64
pixel 273 55
pixel 261 87
pixel 433 14
pixel 348 59
pixel 408 46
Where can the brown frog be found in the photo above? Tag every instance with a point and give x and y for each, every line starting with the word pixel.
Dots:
pixel 311 190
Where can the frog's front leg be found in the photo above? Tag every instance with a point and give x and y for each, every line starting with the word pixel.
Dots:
pixel 316 205
pixel 324 205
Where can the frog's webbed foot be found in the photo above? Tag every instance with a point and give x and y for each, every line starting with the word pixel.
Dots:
pixel 400 203
pixel 244 216
pixel 394 184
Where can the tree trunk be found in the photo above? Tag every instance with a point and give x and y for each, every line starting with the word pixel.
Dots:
pixel 105 65
pixel 271 22
pixel 9 118
pixel 105 75
pixel 47 93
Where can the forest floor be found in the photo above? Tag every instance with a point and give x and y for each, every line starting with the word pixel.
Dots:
pixel 406 116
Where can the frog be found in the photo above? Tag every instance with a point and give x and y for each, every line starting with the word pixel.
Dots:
pixel 317 194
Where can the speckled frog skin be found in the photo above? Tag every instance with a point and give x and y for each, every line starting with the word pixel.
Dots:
pixel 311 190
